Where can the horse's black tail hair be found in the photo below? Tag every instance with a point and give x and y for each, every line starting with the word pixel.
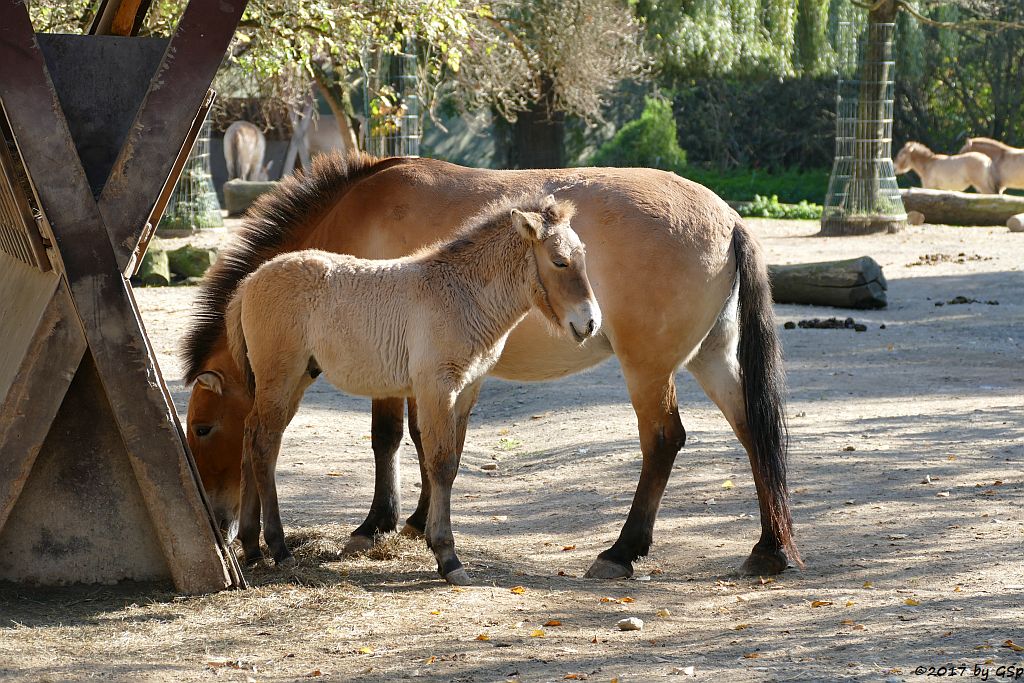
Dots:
pixel 764 387
pixel 236 337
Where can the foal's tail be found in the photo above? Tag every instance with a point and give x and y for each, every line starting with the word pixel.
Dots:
pixel 236 336
pixel 764 384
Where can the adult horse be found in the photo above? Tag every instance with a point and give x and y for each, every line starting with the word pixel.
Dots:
pixel 428 326
pixel 1007 161
pixel 678 277
pixel 947 172
pixel 244 147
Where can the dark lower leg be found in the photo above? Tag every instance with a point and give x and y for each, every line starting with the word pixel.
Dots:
pixel 266 444
pixel 417 521
pixel 386 437
pixel 249 518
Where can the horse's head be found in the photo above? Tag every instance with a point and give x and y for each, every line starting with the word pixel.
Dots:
pixel 561 289
pixel 217 410
pixel 909 155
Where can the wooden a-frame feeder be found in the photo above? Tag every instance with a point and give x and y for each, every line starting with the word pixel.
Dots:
pixel 96 481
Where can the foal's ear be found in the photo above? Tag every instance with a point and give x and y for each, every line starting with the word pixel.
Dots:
pixel 530 225
pixel 211 381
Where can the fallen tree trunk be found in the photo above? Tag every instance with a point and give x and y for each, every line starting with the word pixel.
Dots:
pixel 853 283
pixel 1016 223
pixel 962 208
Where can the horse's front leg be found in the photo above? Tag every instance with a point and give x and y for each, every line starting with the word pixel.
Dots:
pixel 439 420
pixel 417 521
pixel 386 437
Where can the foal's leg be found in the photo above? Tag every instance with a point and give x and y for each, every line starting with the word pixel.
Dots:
pixel 717 370
pixel 439 422
pixel 652 391
pixel 386 436
pixel 249 519
pixel 416 522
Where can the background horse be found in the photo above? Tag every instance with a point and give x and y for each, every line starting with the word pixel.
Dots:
pixel 944 172
pixel 1007 162
pixel 244 147
pixel 678 277
pixel 430 325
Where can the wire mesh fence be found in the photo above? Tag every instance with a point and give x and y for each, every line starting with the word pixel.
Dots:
pixel 392 106
pixel 863 196
pixel 193 204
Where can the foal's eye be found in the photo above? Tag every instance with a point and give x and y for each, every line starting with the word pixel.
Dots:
pixel 202 430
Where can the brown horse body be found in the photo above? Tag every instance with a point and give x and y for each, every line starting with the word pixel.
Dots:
pixel 945 172
pixel 428 326
pixel 678 278
pixel 1007 161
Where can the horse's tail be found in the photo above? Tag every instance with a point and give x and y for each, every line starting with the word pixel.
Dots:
pixel 236 336
pixel 764 384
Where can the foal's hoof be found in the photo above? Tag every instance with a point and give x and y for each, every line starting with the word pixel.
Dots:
pixel 606 569
pixel 285 562
pixel 764 563
pixel 357 544
pixel 410 531
pixel 253 561
pixel 458 577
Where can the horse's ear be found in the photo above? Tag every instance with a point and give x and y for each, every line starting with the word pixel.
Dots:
pixel 529 224
pixel 211 381
pixel 549 200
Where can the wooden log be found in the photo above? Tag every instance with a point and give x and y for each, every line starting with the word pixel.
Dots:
pixel 155 269
pixel 239 194
pixel 1016 223
pixel 853 283
pixel 962 208
pixel 189 261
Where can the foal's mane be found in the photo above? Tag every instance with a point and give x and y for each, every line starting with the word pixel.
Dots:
pixel 274 220
pixel 495 216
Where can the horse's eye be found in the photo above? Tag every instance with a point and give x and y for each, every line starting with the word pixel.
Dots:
pixel 560 264
pixel 202 430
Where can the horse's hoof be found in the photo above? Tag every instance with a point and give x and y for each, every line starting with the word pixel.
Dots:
pixel 410 531
pixel 458 577
pixel 285 562
pixel 357 544
pixel 762 563
pixel 252 561
pixel 606 569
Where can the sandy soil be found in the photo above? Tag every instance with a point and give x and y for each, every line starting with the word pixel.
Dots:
pixel 900 573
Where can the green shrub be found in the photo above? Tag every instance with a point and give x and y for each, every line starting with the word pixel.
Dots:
pixel 742 185
pixel 649 141
pixel 769 207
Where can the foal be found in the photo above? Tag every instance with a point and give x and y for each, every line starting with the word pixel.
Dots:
pixel 427 326
pixel 944 172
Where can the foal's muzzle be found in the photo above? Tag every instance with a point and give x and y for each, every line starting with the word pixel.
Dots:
pixel 585 322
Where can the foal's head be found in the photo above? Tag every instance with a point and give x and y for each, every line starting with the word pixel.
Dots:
pixel 561 289
pixel 908 154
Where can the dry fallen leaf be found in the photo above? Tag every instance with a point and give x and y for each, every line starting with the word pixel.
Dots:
pixel 435 611
pixel 740 627
pixel 366 650
pixel 518 590
pixel 537 633
pixel 847 622
pixel 552 622
pixel 850 603
pixel 727 484
pixel 752 655
pixel 957 589
pixel 663 613
pixel 1013 646
pixel 430 660
pixel 335 474
pixel 568 548
pixel 911 602
pixel 483 636
pixel 821 603
pixel 314 673
pixel 868 584
pixel 575 677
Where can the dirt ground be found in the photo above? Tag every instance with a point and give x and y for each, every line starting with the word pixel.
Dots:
pixel 907 479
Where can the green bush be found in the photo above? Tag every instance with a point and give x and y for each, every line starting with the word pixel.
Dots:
pixel 649 141
pixel 769 207
pixel 743 185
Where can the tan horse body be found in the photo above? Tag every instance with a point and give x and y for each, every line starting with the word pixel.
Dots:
pixel 678 278
pixel 1007 161
pixel 945 172
pixel 244 147
pixel 427 326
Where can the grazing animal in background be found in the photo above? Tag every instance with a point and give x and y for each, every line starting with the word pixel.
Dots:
pixel 679 278
pixel 428 326
pixel 1007 161
pixel 244 147
pixel 945 172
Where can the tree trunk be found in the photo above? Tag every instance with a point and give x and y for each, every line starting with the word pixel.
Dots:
pixel 962 208
pixel 853 283
pixel 336 100
pixel 538 134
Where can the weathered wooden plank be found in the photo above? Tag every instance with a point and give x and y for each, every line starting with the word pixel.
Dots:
pixel 164 120
pixel 119 17
pixel 45 361
pixel 138 399
pixel 962 208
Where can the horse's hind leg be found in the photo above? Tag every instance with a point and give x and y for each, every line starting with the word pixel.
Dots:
pixel 717 370
pixel 653 393
pixel 386 437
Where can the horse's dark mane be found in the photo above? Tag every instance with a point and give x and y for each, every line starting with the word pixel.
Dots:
pixel 270 223
pixel 497 216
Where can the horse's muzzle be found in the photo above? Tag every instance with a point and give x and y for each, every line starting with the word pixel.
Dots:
pixel 586 322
